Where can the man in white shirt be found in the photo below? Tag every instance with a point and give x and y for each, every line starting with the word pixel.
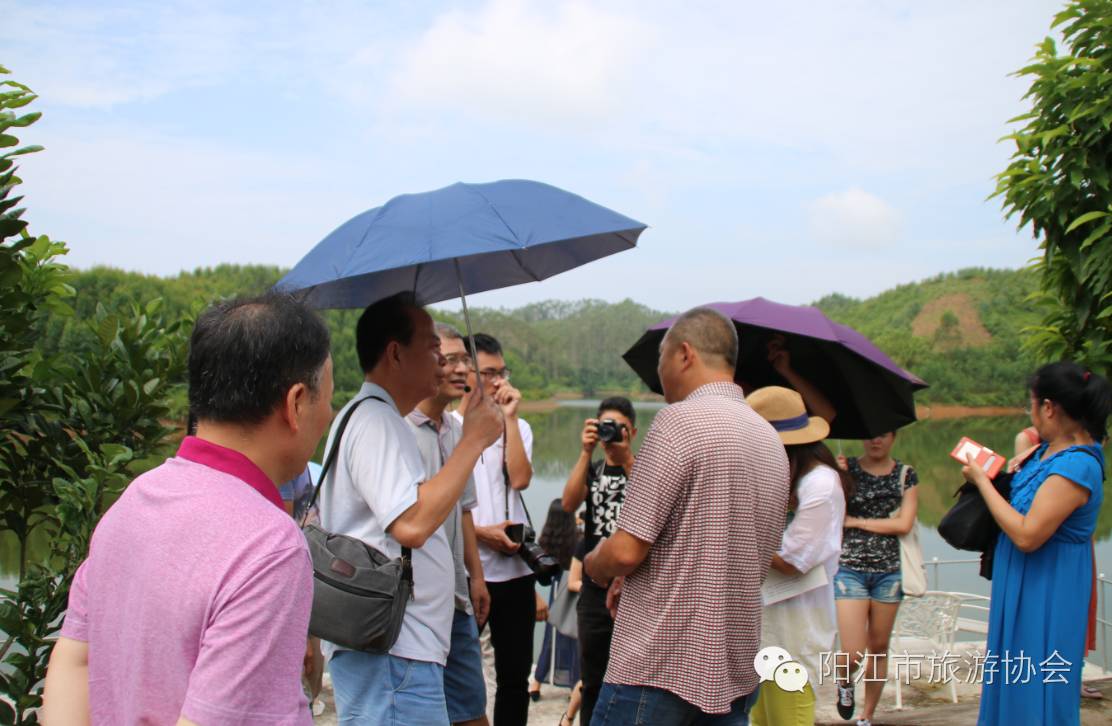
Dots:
pixel 512 585
pixel 381 493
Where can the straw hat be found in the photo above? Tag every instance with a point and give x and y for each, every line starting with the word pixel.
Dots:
pixel 784 409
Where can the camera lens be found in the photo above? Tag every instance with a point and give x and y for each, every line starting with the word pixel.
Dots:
pixel 541 563
pixel 609 431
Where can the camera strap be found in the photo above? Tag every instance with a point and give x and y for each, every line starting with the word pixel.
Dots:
pixel 506 486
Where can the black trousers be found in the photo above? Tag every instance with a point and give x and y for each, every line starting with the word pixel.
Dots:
pixel 513 615
pixel 596 627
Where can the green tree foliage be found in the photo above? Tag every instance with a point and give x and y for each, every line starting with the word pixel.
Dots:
pixel 1060 183
pixel 574 348
pixel 551 347
pixel 73 425
pixel 992 374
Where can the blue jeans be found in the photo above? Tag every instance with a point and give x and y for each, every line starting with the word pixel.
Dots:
pixel 378 688
pixel 855 585
pixel 620 705
pixel 464 685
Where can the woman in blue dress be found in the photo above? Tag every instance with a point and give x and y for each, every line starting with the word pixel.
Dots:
pixel 1042 574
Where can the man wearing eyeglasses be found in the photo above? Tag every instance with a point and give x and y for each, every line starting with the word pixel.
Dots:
pixel 438 432
pixel 512 585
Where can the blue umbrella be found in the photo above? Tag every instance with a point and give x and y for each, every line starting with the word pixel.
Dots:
pixel 483 236
pixel 464 238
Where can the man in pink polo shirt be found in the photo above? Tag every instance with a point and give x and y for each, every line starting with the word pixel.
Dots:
pixel 193 605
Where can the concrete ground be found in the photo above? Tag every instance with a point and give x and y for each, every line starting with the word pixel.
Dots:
pixel 924 702
pixel 930 710
pixel 925 707
pixel 545 712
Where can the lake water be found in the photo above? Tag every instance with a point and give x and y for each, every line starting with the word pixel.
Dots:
pixel 925 445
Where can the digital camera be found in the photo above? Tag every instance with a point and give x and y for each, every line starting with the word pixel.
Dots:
pixel 609 431
pixel 543 565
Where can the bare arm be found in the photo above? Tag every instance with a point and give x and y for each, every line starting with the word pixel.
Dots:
pixel 575 575
pixel 575 490
pixel 480 596
pixel 1056 499
pixel 815 400
pixel 471 558
pixel 518 465
pixel 899 525
pixel 542 608
pixel 615 556
pixel 780 565
pixel 66 693
pixel 438 496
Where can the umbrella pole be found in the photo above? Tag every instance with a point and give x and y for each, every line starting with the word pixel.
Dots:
pixel 467 322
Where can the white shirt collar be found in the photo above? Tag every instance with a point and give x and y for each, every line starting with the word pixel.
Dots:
pixel 373 389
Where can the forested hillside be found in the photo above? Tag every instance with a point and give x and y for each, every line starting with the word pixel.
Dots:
pixel 960 332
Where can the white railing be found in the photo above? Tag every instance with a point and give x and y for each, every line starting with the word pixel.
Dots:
pixel 976 606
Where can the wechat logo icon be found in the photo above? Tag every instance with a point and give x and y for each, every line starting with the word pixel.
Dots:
pixel 777 665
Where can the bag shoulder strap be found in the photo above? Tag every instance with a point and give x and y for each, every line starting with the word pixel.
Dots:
pixel 330 458
pixel 903 480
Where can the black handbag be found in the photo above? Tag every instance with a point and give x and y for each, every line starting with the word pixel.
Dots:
pixel 359 593
pixel 969 524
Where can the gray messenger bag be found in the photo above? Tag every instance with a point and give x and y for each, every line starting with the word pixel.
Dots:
pixel 359 593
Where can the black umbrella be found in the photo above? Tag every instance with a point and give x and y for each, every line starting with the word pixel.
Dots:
pixel 870 392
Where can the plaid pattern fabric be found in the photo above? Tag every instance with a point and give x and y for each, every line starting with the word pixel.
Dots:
pixel 709 490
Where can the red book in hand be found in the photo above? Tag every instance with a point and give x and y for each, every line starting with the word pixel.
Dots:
pixel 983 456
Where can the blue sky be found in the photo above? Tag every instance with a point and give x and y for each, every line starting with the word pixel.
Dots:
pixel 786 151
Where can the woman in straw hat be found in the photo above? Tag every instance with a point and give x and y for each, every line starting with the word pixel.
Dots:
pixel 800 616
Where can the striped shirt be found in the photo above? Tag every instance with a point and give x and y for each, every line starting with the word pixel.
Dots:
pixel 709 492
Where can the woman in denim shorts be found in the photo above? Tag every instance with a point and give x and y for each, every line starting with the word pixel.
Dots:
pixel 867 590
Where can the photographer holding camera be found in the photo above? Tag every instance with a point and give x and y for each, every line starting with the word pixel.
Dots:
pixel 512 560
pixel 601 484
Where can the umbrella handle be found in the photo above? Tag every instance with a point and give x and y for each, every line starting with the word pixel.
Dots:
pixel 470 333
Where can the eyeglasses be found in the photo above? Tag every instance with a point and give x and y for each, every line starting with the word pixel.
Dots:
pixel 456 358
pixel 492 373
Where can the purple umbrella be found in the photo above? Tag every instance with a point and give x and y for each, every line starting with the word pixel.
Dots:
pixel 870 392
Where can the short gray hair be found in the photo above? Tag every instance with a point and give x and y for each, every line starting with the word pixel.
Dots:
pixel 444 330
pixel 709 332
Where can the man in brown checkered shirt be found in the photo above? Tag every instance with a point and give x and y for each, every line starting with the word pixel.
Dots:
pixel 704 512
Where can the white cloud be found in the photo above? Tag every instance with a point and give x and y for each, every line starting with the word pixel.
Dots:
pixel 691 117
pixel 854 218
pixel 112 53
pixel 101 56
pixel 130 198
pixel 559 61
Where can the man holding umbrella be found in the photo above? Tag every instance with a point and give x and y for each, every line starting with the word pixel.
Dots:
pixel 438 245
pixel 381 493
